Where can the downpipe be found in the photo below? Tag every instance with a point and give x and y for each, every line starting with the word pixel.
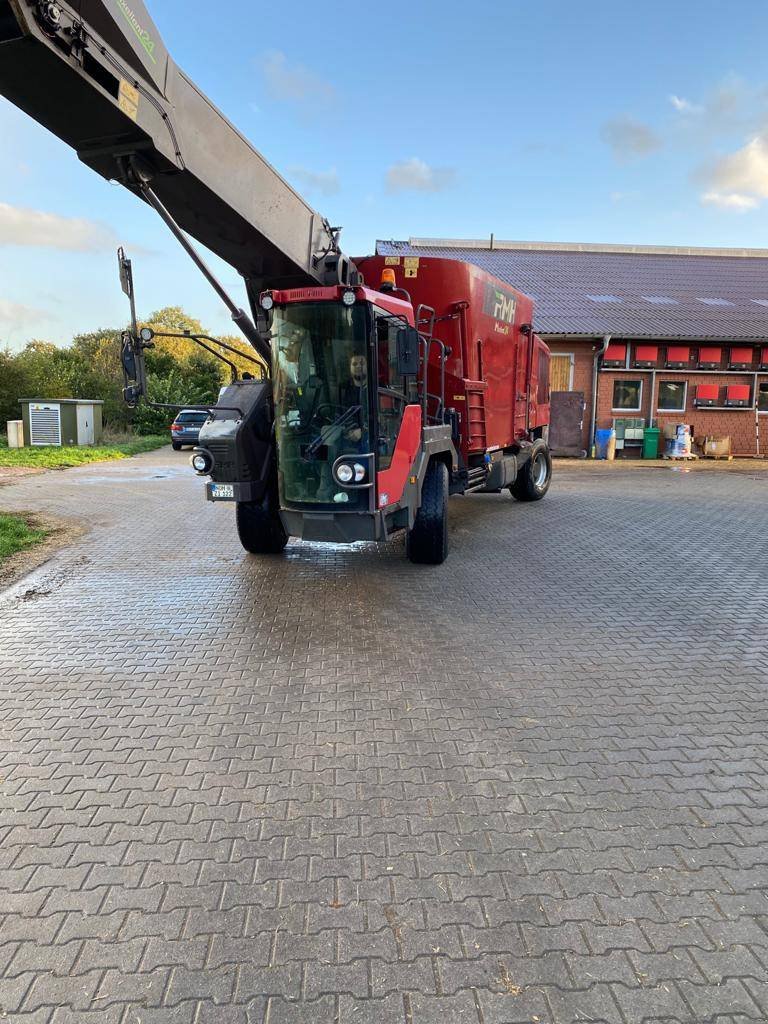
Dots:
pixel 595 362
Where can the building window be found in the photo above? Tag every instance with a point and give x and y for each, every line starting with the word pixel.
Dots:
pixel 627 395
pixel 672 395
pixel 762 397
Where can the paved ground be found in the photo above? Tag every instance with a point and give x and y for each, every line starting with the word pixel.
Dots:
pixel 529 785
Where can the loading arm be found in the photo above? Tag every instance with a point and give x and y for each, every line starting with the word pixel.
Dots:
pixel 96 74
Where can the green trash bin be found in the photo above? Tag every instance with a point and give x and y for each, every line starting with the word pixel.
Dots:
pixel 651 443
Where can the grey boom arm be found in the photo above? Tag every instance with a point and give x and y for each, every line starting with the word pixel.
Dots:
pixel 96 73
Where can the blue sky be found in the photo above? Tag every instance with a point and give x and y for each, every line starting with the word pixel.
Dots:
pixel 600 122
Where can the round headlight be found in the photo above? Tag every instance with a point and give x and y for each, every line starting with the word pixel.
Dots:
pixel 348 298
pixel 266 301
pixel 344 473
pixel 359 469
pixel 201 462
pixel 146 334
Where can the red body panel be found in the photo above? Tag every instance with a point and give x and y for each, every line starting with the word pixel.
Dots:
pixel 390 482
pixel 480 319
pixel 391 303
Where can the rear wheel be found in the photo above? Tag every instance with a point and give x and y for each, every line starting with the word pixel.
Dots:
pixel 176 446
pixel 259 528
pixel 533 480
pixel 427 541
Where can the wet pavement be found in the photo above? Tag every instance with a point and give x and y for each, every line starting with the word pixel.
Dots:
pixel 527 785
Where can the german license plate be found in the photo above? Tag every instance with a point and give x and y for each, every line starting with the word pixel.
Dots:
pixel 221 492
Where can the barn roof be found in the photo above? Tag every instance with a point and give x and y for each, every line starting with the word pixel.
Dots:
pixel 626 291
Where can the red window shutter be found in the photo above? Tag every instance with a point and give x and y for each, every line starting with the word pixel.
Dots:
pixel 678 354
pixel 710 354
pixel 707 392
pixel 764 357
pixel 741 355
pixel 737 392
pixel 646 353
pixel 616 354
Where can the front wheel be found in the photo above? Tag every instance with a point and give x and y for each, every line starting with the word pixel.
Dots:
pixel 427 542
pixel 533 480
pixel 259 528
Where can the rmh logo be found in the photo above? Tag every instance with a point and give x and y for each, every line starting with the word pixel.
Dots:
pixel 499 304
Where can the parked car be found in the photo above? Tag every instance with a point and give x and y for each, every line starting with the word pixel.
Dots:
pixel 185 429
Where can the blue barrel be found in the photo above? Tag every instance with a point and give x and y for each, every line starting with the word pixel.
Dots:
pixel 603 439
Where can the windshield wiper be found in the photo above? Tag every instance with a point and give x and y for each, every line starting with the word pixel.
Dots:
pixel 314 446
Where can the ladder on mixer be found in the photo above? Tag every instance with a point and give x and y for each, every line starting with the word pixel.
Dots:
pixel 476 436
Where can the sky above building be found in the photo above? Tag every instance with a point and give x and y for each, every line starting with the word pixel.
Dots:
pixel 554 121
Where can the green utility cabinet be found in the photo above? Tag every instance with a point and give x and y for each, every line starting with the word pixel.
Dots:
pixel 651 442
pixel 62 421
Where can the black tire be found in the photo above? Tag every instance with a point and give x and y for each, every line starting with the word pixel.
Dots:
pixel 533 480
pixel 259 528
pixel 427 542
pixel 176 446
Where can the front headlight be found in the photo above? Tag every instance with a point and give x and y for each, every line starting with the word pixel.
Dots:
pixel 202 462
pixel 345 473
pixel 359 471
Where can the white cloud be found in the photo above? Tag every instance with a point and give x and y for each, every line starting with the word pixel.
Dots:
pixel 415 175
pixel 293 83
pixel 730 201
pixel 327 183
pixel 739 181
pixel 21 226
pixel 629 138
pixel 13 314
pixel 684 106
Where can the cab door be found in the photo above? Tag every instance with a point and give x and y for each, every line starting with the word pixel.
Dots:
pixel 391 398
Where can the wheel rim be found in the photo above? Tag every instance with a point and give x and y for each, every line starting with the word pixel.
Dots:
pixel 540 470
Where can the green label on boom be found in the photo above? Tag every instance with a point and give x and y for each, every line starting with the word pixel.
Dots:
pixel 143 36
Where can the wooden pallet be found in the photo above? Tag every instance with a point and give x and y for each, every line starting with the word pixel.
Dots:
pixel 681 458
pixel 720 458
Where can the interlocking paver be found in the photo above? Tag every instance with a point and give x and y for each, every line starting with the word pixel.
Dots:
pixel 529 785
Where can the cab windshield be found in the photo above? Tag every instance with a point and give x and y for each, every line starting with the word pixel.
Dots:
pixel 321 400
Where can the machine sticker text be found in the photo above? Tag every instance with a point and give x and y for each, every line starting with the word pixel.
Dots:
pixel 128 99
pixel 143 36
pixel 499 304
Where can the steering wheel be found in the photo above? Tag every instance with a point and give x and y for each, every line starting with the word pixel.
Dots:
pixel 326 411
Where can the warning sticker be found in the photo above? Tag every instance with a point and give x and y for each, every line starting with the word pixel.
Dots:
pixel 391 261
pixel 411 264
pixel 128 99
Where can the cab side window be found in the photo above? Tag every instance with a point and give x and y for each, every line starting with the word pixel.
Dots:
pixel 391 397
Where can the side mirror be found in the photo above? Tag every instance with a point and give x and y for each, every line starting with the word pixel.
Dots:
pixel 134 376
pixel 408 355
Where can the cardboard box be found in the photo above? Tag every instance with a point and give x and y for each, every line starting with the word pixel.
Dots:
pixel 717 447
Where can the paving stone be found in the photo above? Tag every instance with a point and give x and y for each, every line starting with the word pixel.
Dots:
pixel 533 787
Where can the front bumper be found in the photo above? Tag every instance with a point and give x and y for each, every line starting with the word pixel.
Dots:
pixel 335 527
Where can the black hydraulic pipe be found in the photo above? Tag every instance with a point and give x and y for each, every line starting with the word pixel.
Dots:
pixel 239 316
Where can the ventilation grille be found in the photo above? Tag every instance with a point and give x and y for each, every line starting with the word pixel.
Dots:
pixel 44 424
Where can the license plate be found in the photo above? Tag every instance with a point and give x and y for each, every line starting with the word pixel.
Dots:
pixel 220 492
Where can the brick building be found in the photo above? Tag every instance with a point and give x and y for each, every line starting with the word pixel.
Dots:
pixel 646 335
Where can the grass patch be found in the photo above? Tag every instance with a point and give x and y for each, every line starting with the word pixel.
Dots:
pixel 61 458
pixel 16 534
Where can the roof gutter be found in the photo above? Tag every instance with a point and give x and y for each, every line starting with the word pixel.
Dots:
pixel 599 353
